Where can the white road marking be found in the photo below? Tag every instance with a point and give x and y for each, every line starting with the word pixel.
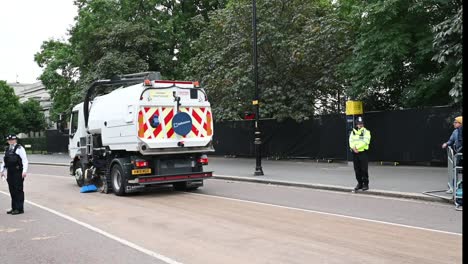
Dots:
pixel 329 214
pixel 9 230
pixel 104 233
pixel 28 220
pixel 43 237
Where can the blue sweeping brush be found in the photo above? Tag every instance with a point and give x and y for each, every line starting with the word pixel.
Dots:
pixel 88 188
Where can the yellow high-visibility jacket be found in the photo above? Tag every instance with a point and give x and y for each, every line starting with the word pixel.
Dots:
pixel 359 138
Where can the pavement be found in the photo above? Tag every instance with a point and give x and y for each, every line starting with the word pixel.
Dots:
pixel 410 182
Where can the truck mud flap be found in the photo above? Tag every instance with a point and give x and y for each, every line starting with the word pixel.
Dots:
pixel 155 179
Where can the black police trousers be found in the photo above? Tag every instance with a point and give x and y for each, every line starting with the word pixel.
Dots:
pixel 15 184
pixel 361 165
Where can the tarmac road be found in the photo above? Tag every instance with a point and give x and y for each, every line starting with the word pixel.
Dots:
pixel 41 237
pixel 222 223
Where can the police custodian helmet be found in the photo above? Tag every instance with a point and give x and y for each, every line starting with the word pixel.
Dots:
pixel 11 136
pixel 359 120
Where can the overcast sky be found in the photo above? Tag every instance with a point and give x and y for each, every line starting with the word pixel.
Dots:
pixel 24 25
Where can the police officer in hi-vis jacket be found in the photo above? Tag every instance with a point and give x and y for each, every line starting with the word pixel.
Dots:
pixel 359 140
pixel 16 164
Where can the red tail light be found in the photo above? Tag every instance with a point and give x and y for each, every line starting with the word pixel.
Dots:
pixel 141 163
pixel 203 160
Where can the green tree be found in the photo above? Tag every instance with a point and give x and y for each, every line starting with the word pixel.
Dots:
pixel 11 117
pixel 107 40
pixel 118 37
pixel 391 65
pixel 59 76
pixel 448 43
pixel 33 117
pixel 300 44
pixel 181 31
pixel 115 37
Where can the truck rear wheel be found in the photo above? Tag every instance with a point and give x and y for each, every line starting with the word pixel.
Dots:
pixel 78 173
pixel 119 181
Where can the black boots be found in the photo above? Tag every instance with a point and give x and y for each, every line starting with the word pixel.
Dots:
pixel 15 212
pixel 360 186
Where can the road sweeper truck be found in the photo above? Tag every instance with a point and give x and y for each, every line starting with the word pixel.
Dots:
pixel 136 131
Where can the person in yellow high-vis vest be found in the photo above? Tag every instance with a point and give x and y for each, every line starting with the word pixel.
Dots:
pixel 359 140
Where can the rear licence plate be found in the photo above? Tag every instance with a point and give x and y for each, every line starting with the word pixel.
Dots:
pixel 141 171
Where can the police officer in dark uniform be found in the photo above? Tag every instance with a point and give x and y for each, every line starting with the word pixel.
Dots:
pixel 16 163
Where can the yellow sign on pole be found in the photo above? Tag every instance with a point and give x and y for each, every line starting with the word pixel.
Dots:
pixel 354 108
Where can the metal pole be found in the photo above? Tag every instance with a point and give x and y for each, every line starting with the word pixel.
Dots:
pixel 257 140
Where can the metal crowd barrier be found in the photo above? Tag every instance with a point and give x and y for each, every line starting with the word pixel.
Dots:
pixel 455 174
pixel 454 181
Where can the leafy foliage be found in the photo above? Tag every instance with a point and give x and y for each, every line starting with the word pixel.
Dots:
pixel 312 55
pixel 17 117
pixel 118 37
pixel 59 76
pixel 33 117
pixel 392 64
pixel 448 42
pixel 300 43
pixel 11 119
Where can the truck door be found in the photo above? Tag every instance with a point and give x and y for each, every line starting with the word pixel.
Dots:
pixel 73 145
